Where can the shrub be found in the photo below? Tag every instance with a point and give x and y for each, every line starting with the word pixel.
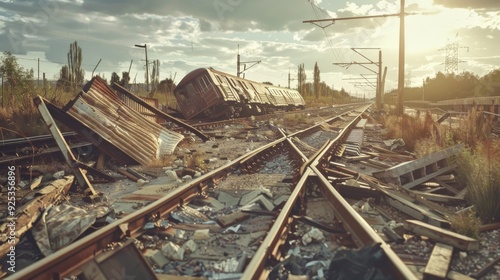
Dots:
pixel 465 222
pixel 480 170
pixel 410 129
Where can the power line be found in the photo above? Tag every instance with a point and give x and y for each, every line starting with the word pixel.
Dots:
pixel 451 56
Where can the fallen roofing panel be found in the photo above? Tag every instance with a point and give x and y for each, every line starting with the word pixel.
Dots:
pixel 100 110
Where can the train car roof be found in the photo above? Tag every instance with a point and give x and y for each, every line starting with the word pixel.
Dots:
pixel 198 71
pixel 189 76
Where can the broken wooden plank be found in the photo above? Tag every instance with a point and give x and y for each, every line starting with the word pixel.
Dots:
pixel 454 275
pixel 357 158
pixel 440 197
pixel 136 174
pixel 231 219
pixel 446 186
pixel 488 227
pixel 63 146
pixel 454 239
pixel 439 262
pixel 126 174
pixel 406 203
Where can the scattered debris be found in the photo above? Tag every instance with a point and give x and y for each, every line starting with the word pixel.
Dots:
pixel 442 235
pixel 60 225
pixel 411 174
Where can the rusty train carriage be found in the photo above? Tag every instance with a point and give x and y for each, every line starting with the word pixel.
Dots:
pixel 209 93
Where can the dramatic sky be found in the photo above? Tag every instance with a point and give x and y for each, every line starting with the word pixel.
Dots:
pixel 187 34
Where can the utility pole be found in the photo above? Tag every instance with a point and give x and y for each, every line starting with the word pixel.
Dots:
pixel 401 65
pixel 401 15
pixel 290 78
pixel 145 47
pixel 238 63
pixel 38 75
pixel 378 88
pixel 96 67
pixel 3 105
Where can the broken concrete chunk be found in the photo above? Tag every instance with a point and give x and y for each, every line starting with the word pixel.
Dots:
pixel 58 175
pixel 227 199
pixel 314 235
pixel 156 257
pixel 142 182
pixel 173 251
pixel 280 199
pixel 263 202
pixel 171 175
pixel 202 234
pixel 189 247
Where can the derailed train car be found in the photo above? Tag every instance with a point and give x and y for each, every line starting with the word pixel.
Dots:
pixel 211 94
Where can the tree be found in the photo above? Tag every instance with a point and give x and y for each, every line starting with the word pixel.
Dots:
pixel 316 81
pixel 166 85
pixel 489 84
pixel 17 81
pixel 114 78
pixel 125 79
pixel 76 73
pixel 64 82
pixel 301 78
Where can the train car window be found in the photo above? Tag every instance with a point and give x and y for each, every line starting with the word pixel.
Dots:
pixel 232 82
pixel 190 90
pixel 218 79
pixel 204 83
pixel 253 87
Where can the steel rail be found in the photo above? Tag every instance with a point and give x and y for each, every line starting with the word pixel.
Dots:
pixel 278 232
pixel 68 259
pixel 362 232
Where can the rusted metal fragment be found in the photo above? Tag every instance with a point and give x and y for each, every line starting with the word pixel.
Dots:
pixel 102 112
pixel 159 113
pixel 28 214
pixel 60 225
pixel 123 262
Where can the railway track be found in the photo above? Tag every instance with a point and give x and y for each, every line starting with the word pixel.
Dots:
pixel 177 216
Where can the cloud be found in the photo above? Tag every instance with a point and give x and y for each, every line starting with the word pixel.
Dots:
pixel 476 4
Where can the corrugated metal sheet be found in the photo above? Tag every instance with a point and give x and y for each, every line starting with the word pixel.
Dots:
pixel 139 108
pixel 100 109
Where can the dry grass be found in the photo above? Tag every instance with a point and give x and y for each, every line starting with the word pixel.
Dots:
pixel 20 118
pixel 478 165
pixel 480 170
pixel 466 223
pixel 290 120
pixel 410 129
pixel 195 160
pixel 164 160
